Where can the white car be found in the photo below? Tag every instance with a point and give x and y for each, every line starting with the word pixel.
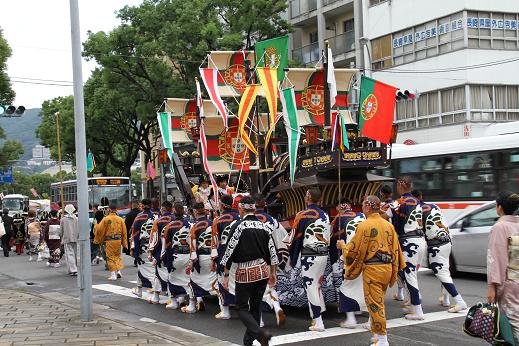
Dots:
pixel 469 232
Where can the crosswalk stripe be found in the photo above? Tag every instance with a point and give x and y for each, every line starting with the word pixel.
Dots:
pixel 302 336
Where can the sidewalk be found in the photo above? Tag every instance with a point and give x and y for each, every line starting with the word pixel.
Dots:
pixel 53 319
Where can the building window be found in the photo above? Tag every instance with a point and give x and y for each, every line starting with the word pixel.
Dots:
pixel 314 37
pixel 376 2
pixel 492 30
pixel 494 102
pixel 382 52
pixel 405 110
pixel 348 25
pixel 429 39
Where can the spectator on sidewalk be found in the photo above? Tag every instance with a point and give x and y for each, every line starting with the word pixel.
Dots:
pixel 8 226
pixel 69 238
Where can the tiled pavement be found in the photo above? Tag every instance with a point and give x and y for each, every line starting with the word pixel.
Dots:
pixel 27 318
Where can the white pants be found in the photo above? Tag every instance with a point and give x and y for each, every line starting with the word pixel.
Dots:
pixel 71 257
pixel 312 270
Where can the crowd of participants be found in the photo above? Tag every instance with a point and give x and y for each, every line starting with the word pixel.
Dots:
pixel 235 250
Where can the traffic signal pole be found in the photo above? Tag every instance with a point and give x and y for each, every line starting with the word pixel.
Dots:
pixel 85 269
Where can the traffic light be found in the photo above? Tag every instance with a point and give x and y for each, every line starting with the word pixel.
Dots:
pixel 406 94
pixel 11 111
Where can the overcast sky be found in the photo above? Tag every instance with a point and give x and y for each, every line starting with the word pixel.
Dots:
pixel 38 32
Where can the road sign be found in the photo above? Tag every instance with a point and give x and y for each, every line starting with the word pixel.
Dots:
pixel 7 177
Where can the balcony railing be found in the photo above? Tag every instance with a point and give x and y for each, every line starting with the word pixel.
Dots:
pixel 307 54
pixel 299 7
pixel 342 43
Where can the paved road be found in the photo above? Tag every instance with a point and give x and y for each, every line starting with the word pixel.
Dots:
pixel 439 328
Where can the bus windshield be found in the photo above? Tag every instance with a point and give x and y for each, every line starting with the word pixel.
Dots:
pixel 13 204
pixel 118 195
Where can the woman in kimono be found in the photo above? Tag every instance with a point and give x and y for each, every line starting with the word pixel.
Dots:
pixel 53 238
pixel 34 233
pixel 502 259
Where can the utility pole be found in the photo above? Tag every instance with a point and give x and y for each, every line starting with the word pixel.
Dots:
pixel 85 269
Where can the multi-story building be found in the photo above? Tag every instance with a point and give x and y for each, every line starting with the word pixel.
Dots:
pixel 459 56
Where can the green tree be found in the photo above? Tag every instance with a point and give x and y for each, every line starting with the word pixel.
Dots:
pixel 6 91
pixel 10 151
pixel 46 131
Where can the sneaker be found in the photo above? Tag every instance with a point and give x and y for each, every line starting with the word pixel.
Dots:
pixel 280 318
pixel 222 316
pixel 349 325
pixel 137 291
pixel 458 307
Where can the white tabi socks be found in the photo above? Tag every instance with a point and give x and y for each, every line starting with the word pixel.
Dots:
pixel 417 314
pixel 379 340
pixel 113 276
pixel 317 325
pixel 224 313
pixel 350 322
pixel 460 304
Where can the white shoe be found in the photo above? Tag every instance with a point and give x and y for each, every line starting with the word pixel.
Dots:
pixel 458 307
pixel 190 309
pixel 137 291
pixel 317 325
pixel 151 300
pixel 57 265
pixel 30 258
pixel 48 264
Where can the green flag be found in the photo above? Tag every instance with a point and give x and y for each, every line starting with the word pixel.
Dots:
pixel 273 53
pixel 164 119
pixel 288 100
pixel 91 164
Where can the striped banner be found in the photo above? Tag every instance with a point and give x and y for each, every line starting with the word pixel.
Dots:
pixel 288 100
pixel 246 102
pixel 269 81
pixel 210 79
pixel 203 140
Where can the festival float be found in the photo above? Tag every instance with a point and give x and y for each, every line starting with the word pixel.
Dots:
pixel 279 130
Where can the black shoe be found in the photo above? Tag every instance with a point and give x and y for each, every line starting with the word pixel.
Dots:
pixel 265 337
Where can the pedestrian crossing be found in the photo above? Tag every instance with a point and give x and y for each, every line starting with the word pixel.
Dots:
pixel 295 338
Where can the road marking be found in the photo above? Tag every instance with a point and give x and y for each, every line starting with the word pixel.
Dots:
pixel 123 291
pixel 302 336
pixel 338 331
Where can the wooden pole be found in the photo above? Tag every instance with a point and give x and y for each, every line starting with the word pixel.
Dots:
pixel 59 163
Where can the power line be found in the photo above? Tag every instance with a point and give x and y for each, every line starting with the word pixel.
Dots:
pixel 41 83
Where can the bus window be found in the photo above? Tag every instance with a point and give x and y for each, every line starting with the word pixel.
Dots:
pixel 472 161
pixel 420 165
pixel 473 184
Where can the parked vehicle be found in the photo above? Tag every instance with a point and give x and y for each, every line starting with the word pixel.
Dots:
pixel 469 233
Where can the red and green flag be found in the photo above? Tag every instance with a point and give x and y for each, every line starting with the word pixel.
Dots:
pixel 376 109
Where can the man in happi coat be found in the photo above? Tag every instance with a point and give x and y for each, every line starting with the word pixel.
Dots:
pixel 374 252
pixel 220 233
pixel 175 256
pixel 278 233
pixel 351 292
pixel 112 231
pixel 140 238
pixel 160 281
pixel 406 216
pixel 309 240
pixel 203 276
pixel 439 247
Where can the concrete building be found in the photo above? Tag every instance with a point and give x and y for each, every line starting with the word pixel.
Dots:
pixel 460 56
